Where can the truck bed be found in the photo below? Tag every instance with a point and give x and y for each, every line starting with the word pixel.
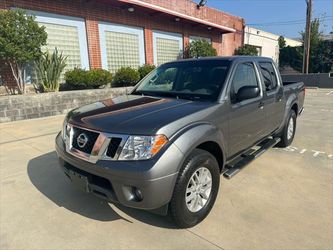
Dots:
pixel 292 87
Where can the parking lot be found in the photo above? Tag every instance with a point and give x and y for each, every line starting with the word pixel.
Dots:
pixel 284 199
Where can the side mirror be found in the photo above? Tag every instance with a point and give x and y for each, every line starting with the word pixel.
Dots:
pixel 247 92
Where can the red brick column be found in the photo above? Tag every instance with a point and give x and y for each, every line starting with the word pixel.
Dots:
pixel 217 44
pixel 148 37
pixel 94 49
pixel 186 39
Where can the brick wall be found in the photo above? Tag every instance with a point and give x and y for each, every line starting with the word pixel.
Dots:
pixel 20 107
pixel 112 11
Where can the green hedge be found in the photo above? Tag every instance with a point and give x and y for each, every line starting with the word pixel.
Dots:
pixel 86 79
pixel 125 76
pixel 145 70
pixel 98 77
pixel 199 48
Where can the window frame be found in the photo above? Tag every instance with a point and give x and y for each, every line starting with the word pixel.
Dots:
pixel 166 35
pixel 248 101
pixel 79 23
pixel 112 27
pixel 278 81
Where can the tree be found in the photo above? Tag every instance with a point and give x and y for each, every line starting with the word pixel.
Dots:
pixel 321 51
pixel 291 56
pixel 20 42
pixel 315 35
pixel 282 42
pixel 317 48
pixel 322 60
pixel 200 48
pixel 247 49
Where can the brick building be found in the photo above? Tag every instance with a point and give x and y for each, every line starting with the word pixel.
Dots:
pixel 110 34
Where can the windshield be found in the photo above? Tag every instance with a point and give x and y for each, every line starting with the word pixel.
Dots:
pixel 195 80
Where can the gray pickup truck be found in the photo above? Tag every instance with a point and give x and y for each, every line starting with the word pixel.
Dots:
pixel 164 146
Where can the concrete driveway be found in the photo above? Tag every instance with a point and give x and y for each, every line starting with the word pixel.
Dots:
pixel 282 200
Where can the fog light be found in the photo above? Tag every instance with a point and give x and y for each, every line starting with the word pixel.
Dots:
pixel 137 194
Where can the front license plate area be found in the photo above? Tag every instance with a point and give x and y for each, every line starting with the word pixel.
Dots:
pixel 79 180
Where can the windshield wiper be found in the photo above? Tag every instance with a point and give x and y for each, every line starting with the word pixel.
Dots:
pixel 178 95
pixel 144 93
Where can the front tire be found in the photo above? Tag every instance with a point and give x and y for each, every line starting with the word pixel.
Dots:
pixel 196 189
pixel 289 130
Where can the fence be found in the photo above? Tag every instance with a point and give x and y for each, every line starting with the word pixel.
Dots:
pixel 321 80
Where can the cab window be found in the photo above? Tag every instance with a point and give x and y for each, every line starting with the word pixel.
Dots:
pixel 269 75
pixel 245 76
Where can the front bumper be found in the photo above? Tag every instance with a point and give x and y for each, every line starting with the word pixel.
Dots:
pixel 118 181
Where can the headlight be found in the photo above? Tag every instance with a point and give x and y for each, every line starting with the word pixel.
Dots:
pixel 142 147
pixel 65 130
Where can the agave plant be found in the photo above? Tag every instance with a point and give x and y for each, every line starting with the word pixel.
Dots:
pixel 48 70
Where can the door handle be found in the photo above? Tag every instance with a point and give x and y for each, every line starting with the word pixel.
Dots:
pixel 261 105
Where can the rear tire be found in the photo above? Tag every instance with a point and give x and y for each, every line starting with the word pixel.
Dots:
pixel 288 133
pixel 192 198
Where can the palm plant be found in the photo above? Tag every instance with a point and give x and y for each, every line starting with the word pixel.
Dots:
pixel 48 70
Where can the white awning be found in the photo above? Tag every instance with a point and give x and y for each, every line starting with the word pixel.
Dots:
pixel 177 14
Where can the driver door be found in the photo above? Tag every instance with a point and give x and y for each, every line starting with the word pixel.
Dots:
pixel 247 117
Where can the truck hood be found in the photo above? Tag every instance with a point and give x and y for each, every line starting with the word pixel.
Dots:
pixel 133 114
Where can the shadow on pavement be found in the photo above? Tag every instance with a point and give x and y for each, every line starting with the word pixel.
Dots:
pixel 48 178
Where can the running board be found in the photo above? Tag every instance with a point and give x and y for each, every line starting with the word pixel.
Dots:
pixel 245 159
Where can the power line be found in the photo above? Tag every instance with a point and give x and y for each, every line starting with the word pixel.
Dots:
pixel 300 21
pixel 285 24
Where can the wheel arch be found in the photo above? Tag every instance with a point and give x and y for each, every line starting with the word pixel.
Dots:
pixel 291 104
pixel 215 149
pixel 206 137
pixel 295 108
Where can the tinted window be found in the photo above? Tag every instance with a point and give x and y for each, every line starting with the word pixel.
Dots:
pixel 269 75
pixel 245 75
pixel 163 81
pixel 188 79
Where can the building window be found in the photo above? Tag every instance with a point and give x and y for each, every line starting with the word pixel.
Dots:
pixel 66 40
pixel 198 38
pixel 121 46
pixel 167 47
pixel 68 35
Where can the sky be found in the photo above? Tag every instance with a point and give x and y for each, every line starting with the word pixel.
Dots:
pixel 282 17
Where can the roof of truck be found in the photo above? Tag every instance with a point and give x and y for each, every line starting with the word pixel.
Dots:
pixel 230 58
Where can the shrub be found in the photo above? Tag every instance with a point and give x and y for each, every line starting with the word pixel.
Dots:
pixel 200 48
pixel 145 70
pixel 86 79
pixel 96 78
pixel 75 79
pixel 48 70
pixel 247 50
pixel 125 76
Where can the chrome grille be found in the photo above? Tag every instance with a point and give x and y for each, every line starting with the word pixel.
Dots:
pixel 92 137
pixel 99 145
pixel 113 147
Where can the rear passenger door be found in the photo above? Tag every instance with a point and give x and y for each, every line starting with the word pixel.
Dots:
pixel 246 118
pixel 273 98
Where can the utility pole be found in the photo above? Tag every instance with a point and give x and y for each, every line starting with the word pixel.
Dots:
pixel 307 38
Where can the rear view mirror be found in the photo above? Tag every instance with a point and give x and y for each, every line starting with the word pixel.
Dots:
pixel 247 92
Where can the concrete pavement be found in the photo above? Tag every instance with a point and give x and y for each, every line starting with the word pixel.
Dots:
pixel 282 200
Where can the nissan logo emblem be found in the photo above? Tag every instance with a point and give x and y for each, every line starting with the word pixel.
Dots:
pixel 82 140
